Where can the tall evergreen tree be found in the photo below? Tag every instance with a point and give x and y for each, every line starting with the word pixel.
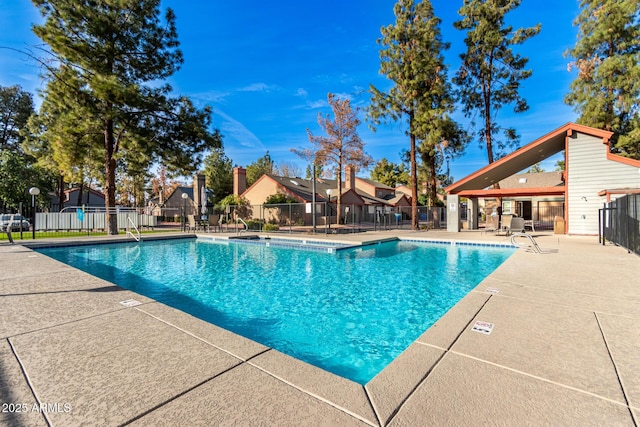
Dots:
pixel 446 141
pixel 260 167
pixel 110 56
pixel 308 172
pixel 606 91
pixel 341 146
pixel 218 170
pixel 64 140
pixel 411 57
pixel 390 173
pixel 490 74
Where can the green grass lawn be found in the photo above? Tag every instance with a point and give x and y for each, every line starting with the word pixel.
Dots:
pixel 28 235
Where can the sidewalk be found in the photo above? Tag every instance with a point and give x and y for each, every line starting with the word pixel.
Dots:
pixel 564 350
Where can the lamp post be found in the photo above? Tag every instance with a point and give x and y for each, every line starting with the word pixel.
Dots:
pixel 328 209
pixel 34 191
pixel 185 196
pixel 313 196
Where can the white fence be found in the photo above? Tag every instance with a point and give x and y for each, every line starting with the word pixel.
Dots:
pixel 55 221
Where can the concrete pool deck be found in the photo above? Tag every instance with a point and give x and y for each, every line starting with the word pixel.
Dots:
pixel 564 350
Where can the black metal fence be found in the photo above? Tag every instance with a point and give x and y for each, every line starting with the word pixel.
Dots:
pixel 620 222
pixel 543 217
pixel 539 218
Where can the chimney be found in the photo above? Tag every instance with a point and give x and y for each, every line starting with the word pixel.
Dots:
pixel 350 179
pixel 239 180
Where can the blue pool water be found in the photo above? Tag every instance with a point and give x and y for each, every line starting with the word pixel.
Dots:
pixel 350 312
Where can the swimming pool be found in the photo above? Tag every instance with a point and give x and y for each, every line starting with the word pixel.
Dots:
pixel 350 311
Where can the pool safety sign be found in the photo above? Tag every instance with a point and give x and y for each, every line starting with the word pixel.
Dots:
pixel 483 327
pixel 130 303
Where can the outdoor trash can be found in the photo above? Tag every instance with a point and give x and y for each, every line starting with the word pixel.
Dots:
pixel 558 225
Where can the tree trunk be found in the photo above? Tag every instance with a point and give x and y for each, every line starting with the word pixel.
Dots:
pixel 110 175
pixel 339 195
pixel 414 176
pixel 488 139
pixel 433 193
pixel 79 201
pixel 61 193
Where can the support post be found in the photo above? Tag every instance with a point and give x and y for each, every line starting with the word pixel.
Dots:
pixel 473 213
pixel 453 213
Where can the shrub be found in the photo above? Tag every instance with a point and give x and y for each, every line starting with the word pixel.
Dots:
pixel 271 227
pixel 279 198
pixel 253 224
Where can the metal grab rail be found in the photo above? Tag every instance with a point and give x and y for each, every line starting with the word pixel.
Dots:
pixel 246 227
pixel 129 233
pixel 534 245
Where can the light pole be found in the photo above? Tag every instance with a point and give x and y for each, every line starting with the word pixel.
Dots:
pixel 329 209
pixel 34 191
pixel 185 196
pixel 313 196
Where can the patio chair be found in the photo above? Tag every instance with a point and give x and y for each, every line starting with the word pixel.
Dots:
pixel 505 224
pixel 516 225
pixel 214 222
pixel 191 223
pixel 491 224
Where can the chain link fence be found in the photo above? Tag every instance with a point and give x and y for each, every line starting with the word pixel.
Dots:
pixel 285 218
pixel 303 218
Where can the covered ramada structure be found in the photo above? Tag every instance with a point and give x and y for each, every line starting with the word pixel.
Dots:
pixel 593 176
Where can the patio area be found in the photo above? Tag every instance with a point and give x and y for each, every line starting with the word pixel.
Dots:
pixel 563 351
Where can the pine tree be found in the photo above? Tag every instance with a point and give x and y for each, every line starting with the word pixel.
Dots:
pixel 341 146
pixel 606 90
pixel 389 173
pixel 64 140
pixel 110 56
pixel 411 57
pixel 218 170
pixel 308 172
pixel 260 167
pixel 490 74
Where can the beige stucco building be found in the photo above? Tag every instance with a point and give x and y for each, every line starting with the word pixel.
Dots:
pixel 362 193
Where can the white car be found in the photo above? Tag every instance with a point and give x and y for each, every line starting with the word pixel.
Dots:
pixel 18 222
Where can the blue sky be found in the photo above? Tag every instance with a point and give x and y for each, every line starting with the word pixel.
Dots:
pixel 266 69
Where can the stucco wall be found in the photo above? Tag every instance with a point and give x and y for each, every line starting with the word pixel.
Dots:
pixel 261 189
